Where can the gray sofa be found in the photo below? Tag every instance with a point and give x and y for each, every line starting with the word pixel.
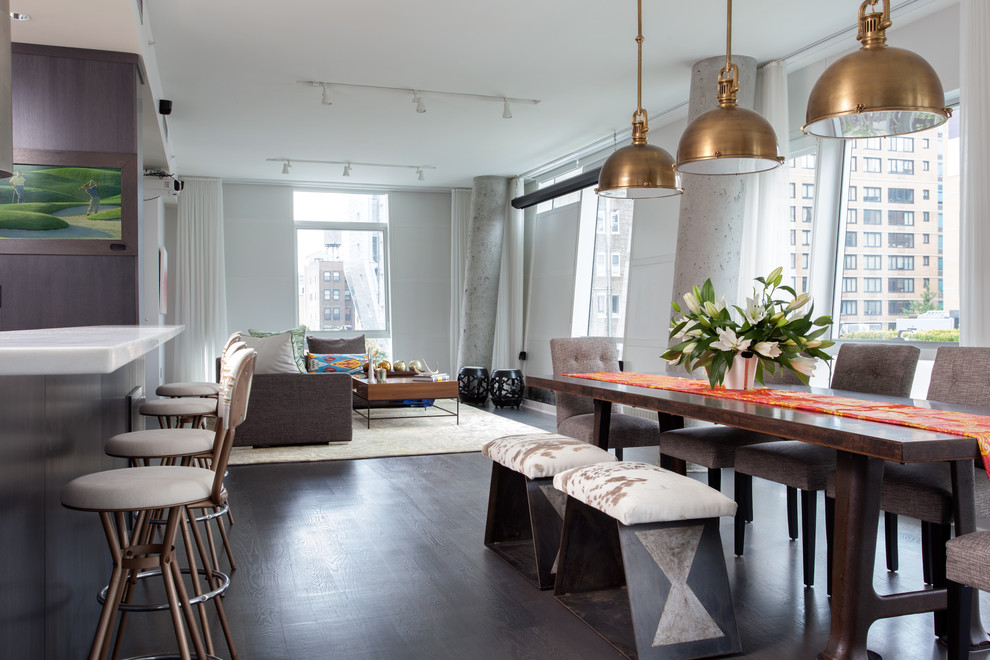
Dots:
pixel 301 409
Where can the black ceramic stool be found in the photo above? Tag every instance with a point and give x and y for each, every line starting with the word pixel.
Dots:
pixel 506 387
pixel 472 385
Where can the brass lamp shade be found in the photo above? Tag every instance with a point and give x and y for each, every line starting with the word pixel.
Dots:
pixel 728 140
pixel 876 91
pixel 638 171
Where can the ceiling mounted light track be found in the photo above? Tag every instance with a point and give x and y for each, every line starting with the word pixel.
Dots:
pixel 728 139
pixel 639 170
pixel 288 162
pixel 876 91
pixel 418 95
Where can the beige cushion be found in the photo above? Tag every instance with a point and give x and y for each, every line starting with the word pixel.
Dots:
pixel 158 443
pixel 136 488
pixel 181 406
pixel 635 493
pixel 538 455
pixel 274 354
pixel 188 389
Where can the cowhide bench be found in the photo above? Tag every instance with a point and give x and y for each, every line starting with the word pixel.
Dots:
pixel 641 561
pixel 525 511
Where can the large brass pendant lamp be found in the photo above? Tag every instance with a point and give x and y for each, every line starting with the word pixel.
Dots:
pixel 639 170
pixel 876 91
pixel 728 139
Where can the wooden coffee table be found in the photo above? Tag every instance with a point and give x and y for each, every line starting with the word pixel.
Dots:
pixel 398 389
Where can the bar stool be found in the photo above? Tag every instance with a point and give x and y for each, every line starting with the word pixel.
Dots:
pixel 178 490
pixel 197 389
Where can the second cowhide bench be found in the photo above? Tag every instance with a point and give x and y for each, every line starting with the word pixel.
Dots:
pixel 525 511
pixel 641 561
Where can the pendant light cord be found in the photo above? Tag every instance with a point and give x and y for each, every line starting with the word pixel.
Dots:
pixel 639 61
pixel 728 35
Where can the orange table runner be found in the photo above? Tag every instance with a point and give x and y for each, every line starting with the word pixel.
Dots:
pixel 941 421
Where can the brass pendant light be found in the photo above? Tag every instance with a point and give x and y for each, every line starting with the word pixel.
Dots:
pixel 728 139
pixel 876 91
pixel 639 170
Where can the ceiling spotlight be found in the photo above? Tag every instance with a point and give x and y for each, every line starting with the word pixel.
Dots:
pixel 419 174
pixel 326 94
pixel 285 167
pixel 506 110
pixel 418 100
pixel 18 16
pixel 639 170
pixel 347 169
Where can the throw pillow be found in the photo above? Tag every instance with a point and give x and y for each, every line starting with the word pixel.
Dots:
pixel 274 354
pixel 348 363
pixel 298 339
pixel 319 345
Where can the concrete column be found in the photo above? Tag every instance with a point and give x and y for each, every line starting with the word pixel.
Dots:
pixel 710 226
pixel 479 305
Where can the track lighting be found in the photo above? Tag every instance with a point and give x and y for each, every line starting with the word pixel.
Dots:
pixel 285 167
pixel 347 169
pixel 418 100
pixel 419 174
pixel 326 94
pixel 506 110
pixel 287 163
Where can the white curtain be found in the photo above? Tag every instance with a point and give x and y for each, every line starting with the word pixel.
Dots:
pixel 460 219
pixel 764 236
pixel 509 316
pixel 200 291
pixel 974 235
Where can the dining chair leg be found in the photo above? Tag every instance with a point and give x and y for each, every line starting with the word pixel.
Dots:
pixel 744 502
pixel 959 611
pixel 792 513
pixel 809 525
pixel 890 539
pixel 941 533
pixel 926 551
pixel 618 453
pixel 829 541
pixel 715 479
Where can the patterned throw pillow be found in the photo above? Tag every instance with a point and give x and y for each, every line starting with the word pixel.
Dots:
pixel 348 363
pixel 297 337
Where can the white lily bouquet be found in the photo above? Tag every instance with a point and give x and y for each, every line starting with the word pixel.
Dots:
pixel 777 332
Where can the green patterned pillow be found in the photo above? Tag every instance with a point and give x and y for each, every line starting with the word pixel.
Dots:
pixel 298 338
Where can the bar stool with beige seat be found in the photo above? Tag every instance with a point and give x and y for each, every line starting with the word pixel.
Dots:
pixel 525 511
pixel 144 490
pixel 196 389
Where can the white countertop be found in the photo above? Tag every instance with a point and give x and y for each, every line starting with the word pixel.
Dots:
pixel 99 349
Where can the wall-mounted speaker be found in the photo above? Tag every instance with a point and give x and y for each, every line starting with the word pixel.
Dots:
pixel 164 107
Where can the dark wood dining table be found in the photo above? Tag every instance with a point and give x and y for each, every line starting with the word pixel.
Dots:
pixel 862 448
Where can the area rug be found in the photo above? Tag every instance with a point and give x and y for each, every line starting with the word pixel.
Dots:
pixel 408 436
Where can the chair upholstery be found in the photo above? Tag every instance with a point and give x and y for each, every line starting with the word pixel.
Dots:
pixel 967 566
pixel 575 414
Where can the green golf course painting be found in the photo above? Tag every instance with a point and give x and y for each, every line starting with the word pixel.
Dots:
pixel 61 202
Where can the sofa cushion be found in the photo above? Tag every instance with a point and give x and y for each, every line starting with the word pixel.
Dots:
pixel 274 354
pixel 320 345
pixel 348 363
pixel 297 339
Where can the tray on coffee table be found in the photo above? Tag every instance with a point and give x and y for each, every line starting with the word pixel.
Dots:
pixel 406 389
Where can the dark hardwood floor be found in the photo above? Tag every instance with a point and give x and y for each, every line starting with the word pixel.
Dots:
pixel 383 558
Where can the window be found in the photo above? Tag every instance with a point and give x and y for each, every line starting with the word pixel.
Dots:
pixel 924 194
pixel 898 307
pixel 805 214
pixel 925 217
pixel 610 270
pixel 805 237
pixel 924 165
pixel 849 262
pixel 852 193
pixel 850 239
pixel 871 262
pixel 872 284
pixel 898 262
pixel 871 165
pixel 924 261
pixel 871 194
pixel 897 240
pixel 793 212
pixel 792 236
pixel 872 216
pixel 873 144
pixel 872 307
pixel 849 285
pixel 804 260
pixel 341 237
pixel 871 239
pixel 924 141
pixel 615 260
pixel 900 195
pixel 848 308
pixel 900 166
pixel 900 285
pixel 347 295
pixel 564 200
pixel 808 190
pixel 902 218
pixel 809 161
pixel 898 143
pixel 615 304
pixel 792 187
pixel 850 216
pixel 852 164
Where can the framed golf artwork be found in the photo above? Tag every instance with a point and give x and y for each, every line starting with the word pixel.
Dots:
pixel 63 202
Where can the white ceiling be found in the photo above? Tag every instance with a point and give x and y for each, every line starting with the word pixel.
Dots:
pixel 231 69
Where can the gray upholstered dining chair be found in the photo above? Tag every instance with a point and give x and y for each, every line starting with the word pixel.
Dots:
pixel 576 414
pixel 885 369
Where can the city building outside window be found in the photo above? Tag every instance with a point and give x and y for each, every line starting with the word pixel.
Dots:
pixel 871 239
pixel 871 194
pixel 872 216
pixel 872 307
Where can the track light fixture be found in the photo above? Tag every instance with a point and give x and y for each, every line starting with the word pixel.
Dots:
pixel 418 95
pixel 639 170
pixel 876 91
pixel 288 162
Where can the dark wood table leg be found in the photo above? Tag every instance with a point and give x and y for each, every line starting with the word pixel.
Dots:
pixel 603 417
pixel 964 512
pixel 857 512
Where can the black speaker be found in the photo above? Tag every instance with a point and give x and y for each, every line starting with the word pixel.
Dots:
pixel 164 107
